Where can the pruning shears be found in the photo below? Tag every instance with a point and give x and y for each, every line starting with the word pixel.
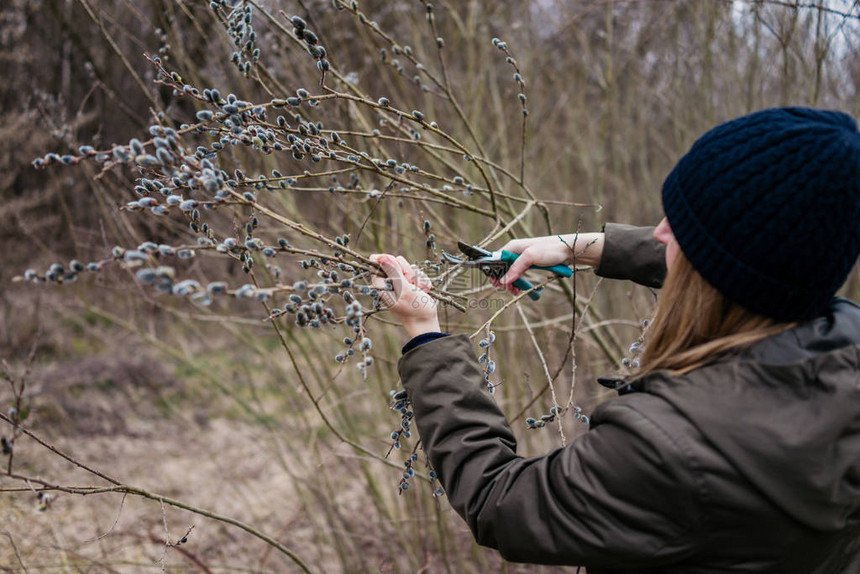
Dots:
pixel 495 264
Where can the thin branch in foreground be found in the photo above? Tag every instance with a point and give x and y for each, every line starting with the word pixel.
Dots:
pixel 545 369
pixel 17 554
pixel 113 526
pixel 117 486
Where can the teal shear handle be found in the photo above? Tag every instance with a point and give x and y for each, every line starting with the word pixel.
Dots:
pixel 525 285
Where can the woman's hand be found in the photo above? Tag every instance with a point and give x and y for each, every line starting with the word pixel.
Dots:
pixel 410 303
pixel 551 250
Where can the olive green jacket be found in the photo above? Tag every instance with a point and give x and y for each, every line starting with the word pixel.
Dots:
pixel 748 464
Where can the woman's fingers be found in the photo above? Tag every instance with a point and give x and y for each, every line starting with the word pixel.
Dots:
pixel 407 269
pixel 517 268
pixel 394 272
pixel 498 285
pixel 517 245
pixel 423 282
pixel 388 298
pixel 413 274
pixel 391 267
pixel 402 274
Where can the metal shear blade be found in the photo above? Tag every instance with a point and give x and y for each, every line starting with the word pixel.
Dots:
pixel 473 251
pixel 488 262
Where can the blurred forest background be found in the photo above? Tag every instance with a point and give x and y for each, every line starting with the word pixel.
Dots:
pixel 244 436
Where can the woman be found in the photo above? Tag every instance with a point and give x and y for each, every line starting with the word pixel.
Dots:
pixel 736 447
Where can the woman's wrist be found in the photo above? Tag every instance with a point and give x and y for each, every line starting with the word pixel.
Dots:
pixel 587 248
pixel 421 326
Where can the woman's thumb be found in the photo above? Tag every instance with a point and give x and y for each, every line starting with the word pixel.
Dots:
pixel 517 268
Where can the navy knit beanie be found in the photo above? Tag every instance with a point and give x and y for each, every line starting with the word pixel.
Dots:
pixel 766 208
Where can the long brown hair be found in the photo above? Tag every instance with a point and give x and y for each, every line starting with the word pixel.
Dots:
pixel 695 323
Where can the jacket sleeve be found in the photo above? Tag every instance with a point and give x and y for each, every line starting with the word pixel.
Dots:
pixel 632 253
pixel 622 494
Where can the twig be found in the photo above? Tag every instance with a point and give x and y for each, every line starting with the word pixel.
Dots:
pixel 545 370
pixel 586 306
pixel 133 490
pixel 118 486
pixel 112 43
pixel 373 210
pixel 507 305
pixel 167 544
pixel 115 522
pixel 17 554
